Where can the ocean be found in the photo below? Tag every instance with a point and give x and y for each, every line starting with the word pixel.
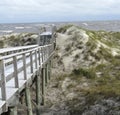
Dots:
pixel 35 27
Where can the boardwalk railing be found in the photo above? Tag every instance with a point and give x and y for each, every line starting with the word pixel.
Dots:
pixel 17 65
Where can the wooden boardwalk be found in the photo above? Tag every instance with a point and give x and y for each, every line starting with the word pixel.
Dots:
pixel 18 67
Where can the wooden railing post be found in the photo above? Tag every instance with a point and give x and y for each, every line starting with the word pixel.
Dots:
pixel 24 67
pixel 46 74
pixel 42 53
pixel 39 56
pixel 3 79
pixel 31 62
pixel 15 72
pixel 36 60
pixel 45 53
pixel 49 50
pixel 49 71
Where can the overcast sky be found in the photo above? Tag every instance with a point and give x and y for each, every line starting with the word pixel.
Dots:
pixel 13 11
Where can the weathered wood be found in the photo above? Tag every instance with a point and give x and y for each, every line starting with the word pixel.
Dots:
pixel 43 85
pixel 31 62
pixel 16 49
pixel 46 74
pixel 10 76
pixel 48 52
pixel 17 54
pixel 39 57
pixel 13 110
pixel 15 72
pixel 38 95
pixel 42 53
pixel 49 69
pixel 28 100
pixel 24 67
pixel 45 53
pixel 36 60
pixel 3 79
pixel 18 62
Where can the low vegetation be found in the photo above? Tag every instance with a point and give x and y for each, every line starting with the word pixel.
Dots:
pixel 88 76
pixel 22 39
pixel 86 71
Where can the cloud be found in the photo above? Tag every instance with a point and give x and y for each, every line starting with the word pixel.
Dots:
pixel 57 9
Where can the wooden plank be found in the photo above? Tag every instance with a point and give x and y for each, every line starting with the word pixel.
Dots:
pixel 3 80
pixel 15 72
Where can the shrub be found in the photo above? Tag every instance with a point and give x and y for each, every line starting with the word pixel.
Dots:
pixel 88 73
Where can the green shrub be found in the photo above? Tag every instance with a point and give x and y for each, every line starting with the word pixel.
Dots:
pixel 88 73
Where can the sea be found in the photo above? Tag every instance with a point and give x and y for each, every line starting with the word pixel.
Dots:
pixel 35 27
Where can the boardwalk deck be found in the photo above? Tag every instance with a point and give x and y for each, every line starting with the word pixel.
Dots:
pixel 19 66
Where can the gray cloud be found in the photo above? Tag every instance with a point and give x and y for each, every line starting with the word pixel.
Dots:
pixel 58 8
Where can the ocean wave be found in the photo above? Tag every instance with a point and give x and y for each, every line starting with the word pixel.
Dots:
pixel 19 27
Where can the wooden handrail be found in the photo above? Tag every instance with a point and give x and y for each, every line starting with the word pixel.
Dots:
pixel 11 49
pixel 37 55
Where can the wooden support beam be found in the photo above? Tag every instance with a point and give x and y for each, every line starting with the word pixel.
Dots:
pixel 43 85
pixel 31 61
pixel 49 69
pixel 28 100
pixel 13 110
pixel 3 79
pixel 46 74
pixel 38 95
pixel 15 72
